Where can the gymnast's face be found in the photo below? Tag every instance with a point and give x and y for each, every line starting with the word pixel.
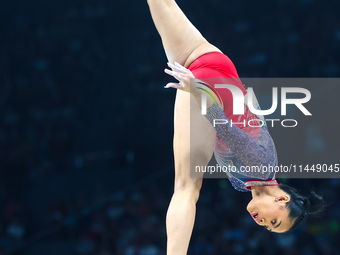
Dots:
pixel 270 212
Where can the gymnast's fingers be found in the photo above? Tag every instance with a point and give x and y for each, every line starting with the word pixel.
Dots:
pixel 183 71
pixel 174 74
pixel 177 68
pixel 174 85
pixel 169 72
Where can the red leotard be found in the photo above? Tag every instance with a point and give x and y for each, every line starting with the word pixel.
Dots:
pixel 217 65
pixel 234 144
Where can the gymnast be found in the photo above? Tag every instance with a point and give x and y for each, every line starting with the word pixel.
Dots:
pixel 192 59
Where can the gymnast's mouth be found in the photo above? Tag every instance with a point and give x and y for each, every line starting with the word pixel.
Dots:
pixel 255 216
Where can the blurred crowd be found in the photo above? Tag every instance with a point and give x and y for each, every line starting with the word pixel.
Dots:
pixel 78 77
pixel 133 223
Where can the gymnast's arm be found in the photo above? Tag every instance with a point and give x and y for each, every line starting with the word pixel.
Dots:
pixel 239 142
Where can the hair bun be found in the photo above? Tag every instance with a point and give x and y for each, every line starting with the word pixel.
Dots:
pixel 314 203
pixel 305 203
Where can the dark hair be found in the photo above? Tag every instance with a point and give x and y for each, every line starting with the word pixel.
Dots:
pixel 300 206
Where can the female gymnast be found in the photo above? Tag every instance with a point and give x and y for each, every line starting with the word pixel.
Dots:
pixel 277 207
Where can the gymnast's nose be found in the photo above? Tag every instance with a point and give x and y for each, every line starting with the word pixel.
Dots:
pixel 262 221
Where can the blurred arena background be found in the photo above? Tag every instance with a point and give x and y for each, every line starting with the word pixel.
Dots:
pixel 86 127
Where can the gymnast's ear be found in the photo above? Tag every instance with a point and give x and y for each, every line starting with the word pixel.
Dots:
pixel 284 199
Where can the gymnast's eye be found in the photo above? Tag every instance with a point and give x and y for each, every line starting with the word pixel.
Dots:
pixel 273 222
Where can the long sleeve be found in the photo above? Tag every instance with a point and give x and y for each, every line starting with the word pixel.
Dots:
pixel 246 149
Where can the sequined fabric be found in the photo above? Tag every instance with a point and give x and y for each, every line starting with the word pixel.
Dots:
pixel 248 149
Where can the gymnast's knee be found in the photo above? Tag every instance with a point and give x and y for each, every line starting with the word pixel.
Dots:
pixel 190 186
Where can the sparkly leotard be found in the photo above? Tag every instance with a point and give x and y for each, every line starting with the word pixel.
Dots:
pixel 250 150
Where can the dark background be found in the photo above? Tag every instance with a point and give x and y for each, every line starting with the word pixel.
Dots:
pixel 86 127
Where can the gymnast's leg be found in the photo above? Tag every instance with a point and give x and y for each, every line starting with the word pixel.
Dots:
pixel 183 43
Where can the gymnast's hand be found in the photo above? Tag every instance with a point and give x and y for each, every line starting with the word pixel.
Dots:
pixel 183 75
